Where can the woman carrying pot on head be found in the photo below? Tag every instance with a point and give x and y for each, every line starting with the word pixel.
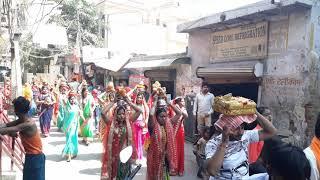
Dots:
pixel 104 100
pixel 179 133
pixel 140 125
pixel 62 98
pixel 87 125
pixel 70 126
pixel 118 136
pixel 45 102
pixel 161 153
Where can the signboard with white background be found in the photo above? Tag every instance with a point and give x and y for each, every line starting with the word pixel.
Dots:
pixel 242 43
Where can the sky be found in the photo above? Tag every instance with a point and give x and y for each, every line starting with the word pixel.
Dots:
pixel 139 38
pixel 201 8
pixel 187 9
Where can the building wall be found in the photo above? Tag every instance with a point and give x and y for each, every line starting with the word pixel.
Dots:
pixel 183 79
pixel 312 55
pixel 284 82
pixel 290 85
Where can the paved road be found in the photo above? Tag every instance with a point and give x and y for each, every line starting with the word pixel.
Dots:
pixel 191 167
pixel 87 165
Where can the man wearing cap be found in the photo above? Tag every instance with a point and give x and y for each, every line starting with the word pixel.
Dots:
pixel 227 154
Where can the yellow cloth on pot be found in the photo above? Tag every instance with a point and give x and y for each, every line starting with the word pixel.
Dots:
pixel 235 112
pixel 230 105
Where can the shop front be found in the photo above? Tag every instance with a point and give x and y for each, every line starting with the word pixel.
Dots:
pixel 120 78
pixel 233 78
pixel 167 78
pixel 169 70
pixel 265 52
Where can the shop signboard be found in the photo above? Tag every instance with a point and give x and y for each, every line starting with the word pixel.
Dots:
pixel 241 43
pixel 136 79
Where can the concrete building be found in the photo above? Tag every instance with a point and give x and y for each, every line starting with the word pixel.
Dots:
pixel 267 51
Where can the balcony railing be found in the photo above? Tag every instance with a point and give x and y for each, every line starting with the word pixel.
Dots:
pixel 11 146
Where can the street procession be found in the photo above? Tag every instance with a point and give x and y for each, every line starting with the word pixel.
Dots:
pixel 160 89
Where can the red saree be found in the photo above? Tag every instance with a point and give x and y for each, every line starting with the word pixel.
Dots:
pixel 179 133
pixel 113 143
pixel 162 147
pixel 180 149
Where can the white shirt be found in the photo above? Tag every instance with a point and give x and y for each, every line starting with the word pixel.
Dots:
pixel 204 103
pixel 236 154
pixel 313 163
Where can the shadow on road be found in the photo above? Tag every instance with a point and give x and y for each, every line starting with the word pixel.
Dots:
pixel 57 135
pixel 56 143
pixel 92 171
pixel 88 157
pixel 54 157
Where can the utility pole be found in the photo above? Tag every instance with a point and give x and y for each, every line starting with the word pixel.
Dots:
pixel 16 75
pixel 107 31
pixel 79 44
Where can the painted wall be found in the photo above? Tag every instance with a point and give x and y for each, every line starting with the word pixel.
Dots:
pixel 284 82
pixel 290 85
pixel 312 56
pixel 184 83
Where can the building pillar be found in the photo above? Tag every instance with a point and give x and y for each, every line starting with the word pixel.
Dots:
pixel 16 74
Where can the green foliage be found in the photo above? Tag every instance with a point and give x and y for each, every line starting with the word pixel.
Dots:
pixel 88 19
pixel 29 54
pixel 68 18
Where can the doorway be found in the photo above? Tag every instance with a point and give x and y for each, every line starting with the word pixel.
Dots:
pixel 247 90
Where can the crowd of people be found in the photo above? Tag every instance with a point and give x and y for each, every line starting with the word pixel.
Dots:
pixel 227 148
pixel 119 117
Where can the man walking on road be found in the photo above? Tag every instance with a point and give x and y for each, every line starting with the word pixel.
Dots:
pixel 202 108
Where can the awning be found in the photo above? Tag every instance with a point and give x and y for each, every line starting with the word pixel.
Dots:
pixel 100 57
pixel 157 63
pixel 231 74
pixel 161 75
pixel 113 64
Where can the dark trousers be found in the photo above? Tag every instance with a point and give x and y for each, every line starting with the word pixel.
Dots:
pixel 256 168
pixel 34 167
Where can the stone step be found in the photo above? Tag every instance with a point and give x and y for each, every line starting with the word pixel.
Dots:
pixel 8 175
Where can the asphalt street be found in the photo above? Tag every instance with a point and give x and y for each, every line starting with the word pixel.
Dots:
pixel 86 166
